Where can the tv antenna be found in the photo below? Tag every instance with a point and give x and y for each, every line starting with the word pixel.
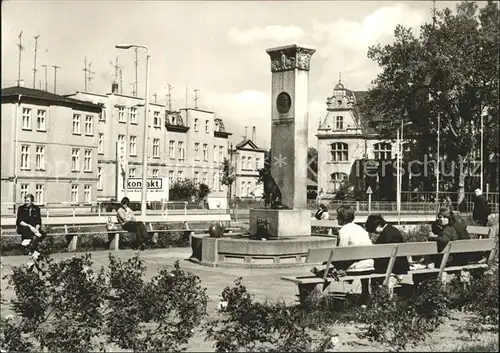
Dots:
pixel 169 97
pixel 34 63
pixel 46 83
pixel 196 98
pixel 55 77
pixel 135 91
pixel 88 73
pixel 21 48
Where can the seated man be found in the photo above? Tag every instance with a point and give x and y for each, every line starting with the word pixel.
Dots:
pixel 350 234
pixel 28 224
pixel 126 218
pixel 387 234
pixel 322 213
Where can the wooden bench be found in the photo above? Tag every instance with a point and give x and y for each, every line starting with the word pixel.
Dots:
pixel 309 283
pixel 480 232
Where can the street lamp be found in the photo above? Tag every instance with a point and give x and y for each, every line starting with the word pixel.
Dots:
pixel 146 125
pixel 399 163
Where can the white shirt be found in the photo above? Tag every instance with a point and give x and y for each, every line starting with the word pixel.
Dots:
pixel 352 234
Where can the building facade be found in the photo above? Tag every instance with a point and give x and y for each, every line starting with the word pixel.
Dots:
pixel 49 147
pixel 185 144
pixel 247 159
pixel 344 137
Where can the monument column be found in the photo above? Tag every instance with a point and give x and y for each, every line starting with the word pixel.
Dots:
pixel 289 116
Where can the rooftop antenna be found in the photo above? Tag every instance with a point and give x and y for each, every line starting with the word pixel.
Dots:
pixel 135 90
pixel 196 98
pixel 186 96
pixel 21 48
pixel 121 81
pixel 169 97
pixel 34 63
pixel 90 78
pixel 55 77
pixel 46 82
pixel 117 69
pixel 340 77
pixel 88 73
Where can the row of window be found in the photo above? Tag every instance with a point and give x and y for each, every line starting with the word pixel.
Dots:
pixel 41 119
pixel 247 188
pixel 246 163
pixel 89 125
pixel 40 193
pixel 40 158
pixel 339 151
pixel 132 114
pixel 207 125
pixel 216 148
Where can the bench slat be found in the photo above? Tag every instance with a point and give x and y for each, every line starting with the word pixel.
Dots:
pixel 377 251
pixel 474 245
pixel 478 230
pixel 318 255
pixel 415 249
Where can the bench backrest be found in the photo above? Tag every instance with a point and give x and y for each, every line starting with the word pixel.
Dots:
pixel 477 230
pixel 318 255
pixel 417 248
pixel 377 251
pixel 473 245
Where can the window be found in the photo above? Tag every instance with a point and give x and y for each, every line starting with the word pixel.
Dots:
pixel 24 191
pixel 86 194
pixel 180 175
pixel 156 173
pixel 215 181
pixel 382 150
pixel 257 163
pixel 206 126
pixel 339 151
pixel 76 123
pixel 339 123
pixel 156 119
pixel 180 150
pixel 170 178
pixel 100 144
pixel 242 189
pixel 171 149
pixel 217 127
pixel 205 178
pixel 221 153
pixel 40 158
pixel 99 178
pixel 131 172
pixel 27 118
pixel 40 120
pixel 205 152
pixel 25 157
pixel 121 145
pixel 74 193
pixel 195 124
pixel 197 151
pixel 121 115
pixel 88 125
pixel 133 145
pixel 87 161
pixel 133 115
pixel 156 148
pixel 75 159
pixel 249 163
pixel 215 154
pixel 39 193
pixel 249 188
pixel 338 180
pixel 197 178
pixel 243 162
pixel 102 116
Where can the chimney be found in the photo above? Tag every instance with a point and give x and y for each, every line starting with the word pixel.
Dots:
pixel 114 88
pixel 246 127
pixel 254 136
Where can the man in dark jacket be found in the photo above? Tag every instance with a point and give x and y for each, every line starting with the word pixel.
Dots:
pixel 481 208
pixel 387 234
pixel 28 225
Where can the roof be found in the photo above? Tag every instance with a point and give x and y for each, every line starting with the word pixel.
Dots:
pixel 248 144
pixel 44 95
pixel 339 86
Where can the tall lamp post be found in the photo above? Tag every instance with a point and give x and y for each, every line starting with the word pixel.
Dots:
pixel 399 163
pixel 146 125
pixel 484 113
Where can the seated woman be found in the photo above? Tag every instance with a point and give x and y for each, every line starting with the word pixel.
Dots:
pixel 350 234
pixel 387 234
pixel 126 218
pixel 445 229
pixel 322 213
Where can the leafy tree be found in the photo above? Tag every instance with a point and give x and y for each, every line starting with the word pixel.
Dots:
pixel 312 163
pixel 450 70
pixel 183 190
pixel 203 191
pixel 228 175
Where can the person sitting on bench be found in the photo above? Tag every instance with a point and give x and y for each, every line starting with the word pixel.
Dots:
pixel 350 234
pixel 126 218
pixel 322 213
pixel 28 224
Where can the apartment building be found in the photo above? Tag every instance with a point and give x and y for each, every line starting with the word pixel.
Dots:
pixel 185 144
pixel 49 147
pixel 248 158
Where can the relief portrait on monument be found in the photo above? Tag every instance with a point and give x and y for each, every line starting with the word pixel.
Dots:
pixel 283 102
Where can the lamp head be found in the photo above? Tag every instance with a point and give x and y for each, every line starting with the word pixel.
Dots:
pixel 124 46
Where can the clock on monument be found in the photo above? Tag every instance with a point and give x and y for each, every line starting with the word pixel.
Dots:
pixel 283 102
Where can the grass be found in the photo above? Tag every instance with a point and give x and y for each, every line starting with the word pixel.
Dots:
pixel 489 346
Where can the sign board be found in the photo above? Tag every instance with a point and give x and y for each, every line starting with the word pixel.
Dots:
pixel 157 189
pixel 369 191
pixel 121 155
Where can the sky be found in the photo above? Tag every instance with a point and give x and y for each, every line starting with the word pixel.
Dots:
pixel 217 47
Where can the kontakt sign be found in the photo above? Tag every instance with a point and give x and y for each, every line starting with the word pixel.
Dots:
pixel 156 189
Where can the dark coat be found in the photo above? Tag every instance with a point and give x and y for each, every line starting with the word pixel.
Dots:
pixel 389 235
pixel 30 215
pixel 481 210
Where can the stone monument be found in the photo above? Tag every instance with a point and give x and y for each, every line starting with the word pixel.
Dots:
pixel 289 140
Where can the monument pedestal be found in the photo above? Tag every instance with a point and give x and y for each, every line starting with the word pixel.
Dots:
pixel 282 223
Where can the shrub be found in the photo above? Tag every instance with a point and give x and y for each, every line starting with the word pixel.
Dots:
pixel 243 324
pixel 69 307
pixel 401 322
